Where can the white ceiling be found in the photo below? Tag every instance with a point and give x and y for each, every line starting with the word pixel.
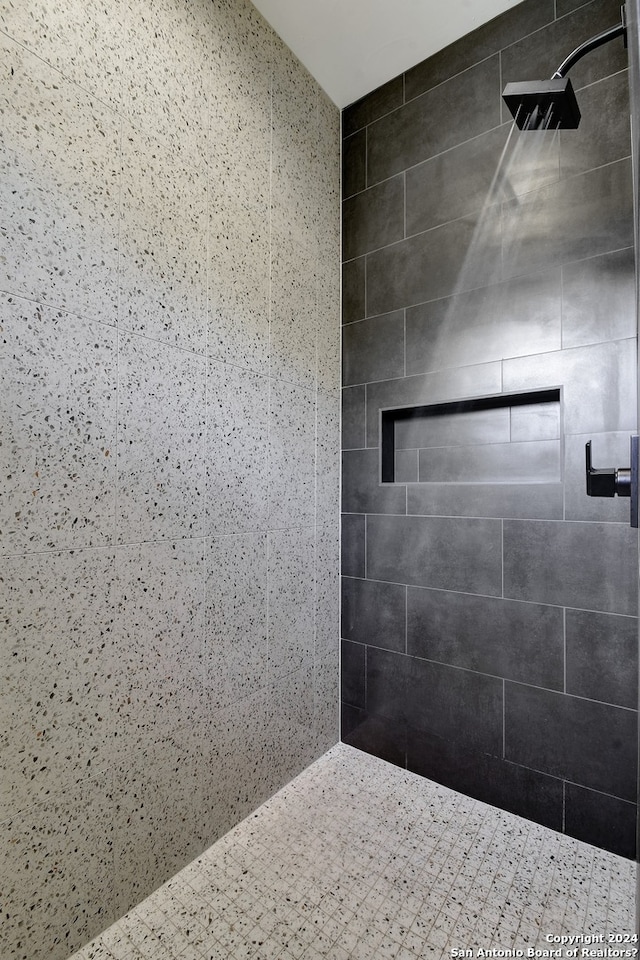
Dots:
pixel 352 46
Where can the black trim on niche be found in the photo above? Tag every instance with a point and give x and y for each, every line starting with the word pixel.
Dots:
pixel 389 418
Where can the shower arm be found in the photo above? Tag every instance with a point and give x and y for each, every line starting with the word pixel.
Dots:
pixel 618 31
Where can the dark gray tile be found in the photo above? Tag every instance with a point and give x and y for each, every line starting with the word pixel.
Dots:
pixel 538 56
pixel 353 545
pixel 354 164
pixel 598 299
pixel 563 7
pixel 518 641
pixel 362 491
pixel 600 820
pixel 428 125
pixel 537 461
pixel 352 673
pixel 484 379
pixel 522 501
pixel 378 736
pixel 374 613
pixel 510 319
pixel 604 134
pixel 525 792
pixel 591 566
pixel 584 216
pixel 449 553
pixel 406 466
pixel 602 402
pixel 592 744
pixel 450 259
pixel 602 657
pixel 353 418
pixel 456 182
pixel 479 44
pixel 387 684
pixel 607 450
pixel 535 421
pixel 453 429
pixel 457 705
pixel 372 106
pixel 373 349
pixel 353 290
pixel 373 218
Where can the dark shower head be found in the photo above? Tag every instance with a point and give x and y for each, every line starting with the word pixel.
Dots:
pixel 543 104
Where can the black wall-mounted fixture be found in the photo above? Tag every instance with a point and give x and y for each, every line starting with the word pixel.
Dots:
pixel 615 481
pixel 551 104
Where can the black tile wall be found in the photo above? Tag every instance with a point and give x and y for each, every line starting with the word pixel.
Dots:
pixel 373 349
pixel 456 110
pixel 518 641
pixel 511 673
pixel 374 613
pixel 591 744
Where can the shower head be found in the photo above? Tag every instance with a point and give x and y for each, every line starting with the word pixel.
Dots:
pixel 543 104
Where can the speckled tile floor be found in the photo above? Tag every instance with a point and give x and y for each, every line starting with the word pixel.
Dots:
pixel 358 859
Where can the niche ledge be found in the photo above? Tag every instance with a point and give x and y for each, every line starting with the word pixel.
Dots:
pixel 509 438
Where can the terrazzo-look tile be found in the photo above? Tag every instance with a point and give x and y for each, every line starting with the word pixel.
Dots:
pixel 326 701
pixel 160 441
pixel 327 590
pixel 236 617
pixel 166 73
pixel 80 39
pixel 237 771
pixel 236 450
pixel 293 144
pixel 158 667
pixel 45 852
pixel 293 310
pixel 291 566
pixel 290 718
pixel 240 107
pixel 58 409
pixel 59 190
pixel 56 647
pixel 238 283
pixel 328 372
pixel 157 799
pixel 356 858
pixel 162 270
pixel 328 457
pixel 292 426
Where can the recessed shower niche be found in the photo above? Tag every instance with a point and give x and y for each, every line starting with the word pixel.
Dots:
pixel 509 438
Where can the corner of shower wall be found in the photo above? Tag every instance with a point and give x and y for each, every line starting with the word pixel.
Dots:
pixel 489 625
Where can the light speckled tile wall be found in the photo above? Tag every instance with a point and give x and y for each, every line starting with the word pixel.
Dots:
pixel 291 599
pixel 236 450
pixel 58 410
pixel 166 72
pixel 59 189
pixel 80 38
pixel 327 456
pixel 162 171
pixel 158 653
pixel 49 852
pixel 291 454
pixel 327 591
pixel 238 286
pixel 161 420
pixel 56 645
pixel 236 617
pixel 162 243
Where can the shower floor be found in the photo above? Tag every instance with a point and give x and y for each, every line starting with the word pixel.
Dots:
pixel 356 858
